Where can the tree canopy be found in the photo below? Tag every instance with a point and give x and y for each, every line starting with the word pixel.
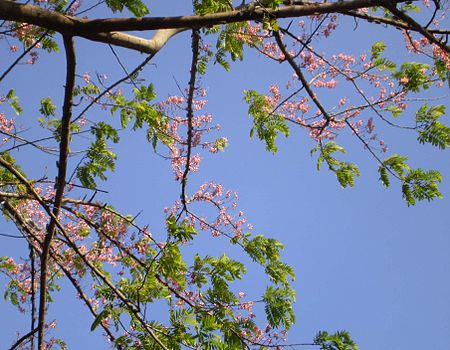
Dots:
pixel 117 264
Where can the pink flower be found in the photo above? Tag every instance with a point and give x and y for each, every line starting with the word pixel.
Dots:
pixel 404 80
pixel 87 78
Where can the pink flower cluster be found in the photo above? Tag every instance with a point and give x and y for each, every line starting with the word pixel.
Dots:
pixel 182 139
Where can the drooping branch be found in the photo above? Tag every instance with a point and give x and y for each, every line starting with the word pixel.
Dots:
pixel 60 181
pixel 413 24
pixel 392 22
pixel 300 76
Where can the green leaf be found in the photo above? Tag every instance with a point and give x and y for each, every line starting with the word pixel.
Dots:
pixel 136 7
pixel 13 101
pixel 266 124
pixel 47 107
pixel 397 164
pixel 430 129
pixel 99 160
pixel 413 76
pixel 377 49
pixel 395 110
pixel 421 185
pixel 345 172
pixel 340 340
pixel 100 317
pixel 182 232
pixel 203 7
pixel 278 306
pixel 417 184
pixel 49 44
pixel 384 176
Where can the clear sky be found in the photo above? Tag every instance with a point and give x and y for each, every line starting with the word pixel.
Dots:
pixel 365 262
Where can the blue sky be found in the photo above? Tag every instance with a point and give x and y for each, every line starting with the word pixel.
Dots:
pixel 365 262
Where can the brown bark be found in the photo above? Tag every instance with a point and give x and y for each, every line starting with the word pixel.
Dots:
pixel 85 27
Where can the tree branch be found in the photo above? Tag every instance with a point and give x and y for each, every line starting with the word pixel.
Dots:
pixel 300 76
pixel 404 17
pixel 190 112
pixel 60 182
pixel 86 27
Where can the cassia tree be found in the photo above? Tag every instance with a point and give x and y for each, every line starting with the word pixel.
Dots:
pixel 118 267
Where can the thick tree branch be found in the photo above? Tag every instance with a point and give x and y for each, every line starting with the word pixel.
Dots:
pixel 86 27
pixel 150 46
pixel 60 182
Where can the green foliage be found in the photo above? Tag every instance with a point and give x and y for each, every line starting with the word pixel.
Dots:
pixel 377 49
pixel 221 143
pixel 12 293
pixel 203 7
pixel 266 124
pixel 182 232
pixel 6 177
pixel 220 58
pixel 103 315
pixel 228 42
pixel 58 5
pixel 203 59
pixel 6 264
pixel 99 158
pixel 90 89
pixel 429 127
pixel 279 298
pixel 143 113
pixel 378 61
pixel 172 266
pixel 345 172
pixel 416 183
pixel 395 110
pixel 47 108
pixel 49 44
pixel 266 251
pixel 340 340
pixel 415 76
pixel 9 182
pixel 13 101
pixel 278 306
pixel 421 185
pixel 136 7
pixel 409 7
pixel 442 70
